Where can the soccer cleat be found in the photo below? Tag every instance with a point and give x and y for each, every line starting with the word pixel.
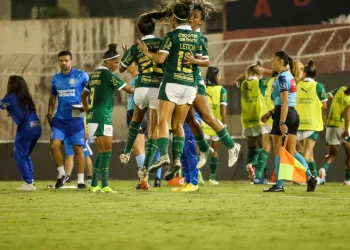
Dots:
pixel 68 179
pixel 143 177
pixel 214 182
pixel 60 181
pixel 203 157
pixel 346 183
pixel 170 174
pixel 137 187
pixel 124 158
pixel 311 184
pixel 94 189
pixel 200 178
pixel 178 189
pixel 233 154
pixel 163 161
pixel 322 176
pixel 89 181
pixel 274 188
pixel 251 172
pixel 190 188
pixel 258 181
pixel 81 185
pixel 107 190
pixel 157 182
pixel 27 187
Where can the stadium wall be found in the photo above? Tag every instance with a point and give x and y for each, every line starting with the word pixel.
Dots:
pixel 45 169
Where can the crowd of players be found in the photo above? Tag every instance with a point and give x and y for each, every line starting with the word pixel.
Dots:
pixel 282 104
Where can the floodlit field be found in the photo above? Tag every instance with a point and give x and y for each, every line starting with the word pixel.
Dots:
pixel 229 216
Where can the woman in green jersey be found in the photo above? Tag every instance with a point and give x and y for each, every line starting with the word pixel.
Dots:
pixel 146 92
pixel 178 89
pixel 199 14
pixel 99 109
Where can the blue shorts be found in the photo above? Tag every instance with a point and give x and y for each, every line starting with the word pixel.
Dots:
pixel 68 129
pixel 69 149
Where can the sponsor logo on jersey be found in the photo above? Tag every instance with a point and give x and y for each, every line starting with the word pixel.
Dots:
pixel 72 81
pixel 66 92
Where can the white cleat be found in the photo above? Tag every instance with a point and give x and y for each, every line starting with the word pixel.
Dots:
pixel 321 180
pixel 214 182
pixel 203 157
pixel 124 158
pixel 27 187
pixel 163 161
pixel 233 154
pixel 346 183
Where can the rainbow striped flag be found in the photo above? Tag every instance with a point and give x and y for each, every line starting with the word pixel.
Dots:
pixel 290 168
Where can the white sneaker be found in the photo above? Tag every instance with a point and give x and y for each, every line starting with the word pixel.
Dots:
pixel 233 154
pixel 163 161
pixel 346 183
pixel 26 187
pixel 203 157
pixel 124 158
pixel 322 176
pixel 214 182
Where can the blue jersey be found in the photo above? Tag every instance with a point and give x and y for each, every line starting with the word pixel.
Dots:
pixel 131 104
pixel 284 82
pixel 68 89
pixel 9 102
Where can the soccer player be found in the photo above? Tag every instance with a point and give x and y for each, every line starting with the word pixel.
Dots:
pixel 99 109
pixel 285 117
pixel 217 99
pixel 146 93
pixel 199 14
pixel 138 148
pixel 337 131
pixel 20 106
pixel 311 105
pixel 178 89
pixel 67 122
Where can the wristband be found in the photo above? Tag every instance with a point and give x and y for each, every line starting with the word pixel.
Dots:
pixel 282 123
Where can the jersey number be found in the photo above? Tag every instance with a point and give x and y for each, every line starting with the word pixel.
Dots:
pixel 148 66
pixel 186 68
pixel 92 94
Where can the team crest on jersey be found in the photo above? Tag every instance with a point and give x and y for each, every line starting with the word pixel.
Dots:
pixel 72 81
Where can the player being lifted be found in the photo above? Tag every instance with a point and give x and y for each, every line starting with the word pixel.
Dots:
pixel 67 87
pixel 146 92
pixel 99 109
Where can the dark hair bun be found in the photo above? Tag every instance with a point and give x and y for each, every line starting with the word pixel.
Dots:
pixel 112 47
pixel 182 11
pixel 311 63
pixel 258 62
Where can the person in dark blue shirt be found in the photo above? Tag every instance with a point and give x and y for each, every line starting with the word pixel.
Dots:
pixel 285 117
pixel 68 123
pixel 20 106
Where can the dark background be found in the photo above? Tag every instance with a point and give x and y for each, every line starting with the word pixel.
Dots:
pixel 241 14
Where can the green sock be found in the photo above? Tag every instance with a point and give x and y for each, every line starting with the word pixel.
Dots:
pixel 178 147
pixel 256 157
pixel 261 164
pixel 96 172
pixel 133 131
pixel 104 167
pixel 347 174
pixel 251 154
pixel 313 168
pixel 226 138
pixel 163 145
pixel 151 149
pixel 214 161
pixel 201 143
pixel 325 166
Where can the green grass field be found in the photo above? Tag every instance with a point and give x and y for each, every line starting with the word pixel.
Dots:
pixel 229 216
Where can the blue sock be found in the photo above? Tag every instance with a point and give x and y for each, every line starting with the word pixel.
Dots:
pixel 159 171
pixel 302 160
pixel 140 159
pixel 279 183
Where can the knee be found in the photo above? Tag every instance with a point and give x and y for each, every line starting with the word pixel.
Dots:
pixel 177 128
pixel 54 147
pixel 78 150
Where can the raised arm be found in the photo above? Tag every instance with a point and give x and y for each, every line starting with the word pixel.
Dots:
pixel 158 57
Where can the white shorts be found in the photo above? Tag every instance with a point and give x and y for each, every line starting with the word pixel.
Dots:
pixel 333 136
pixel 252 131
pixel 265 129
pixel 146 97
pixel 99 129
pixel 177 93
pixel 301 135
pixel 212 137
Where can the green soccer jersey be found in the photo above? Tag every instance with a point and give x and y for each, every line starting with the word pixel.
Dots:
pixel 176 44
pixel 101 86
pixel 205 55
pixel 151 73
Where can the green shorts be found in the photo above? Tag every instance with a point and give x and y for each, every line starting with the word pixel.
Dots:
pixel 201 90
pixel 301 134
pixel 99 129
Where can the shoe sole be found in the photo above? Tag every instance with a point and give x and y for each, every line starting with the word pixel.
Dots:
pixel 199 166
pixel 153 169
pixel 170 175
